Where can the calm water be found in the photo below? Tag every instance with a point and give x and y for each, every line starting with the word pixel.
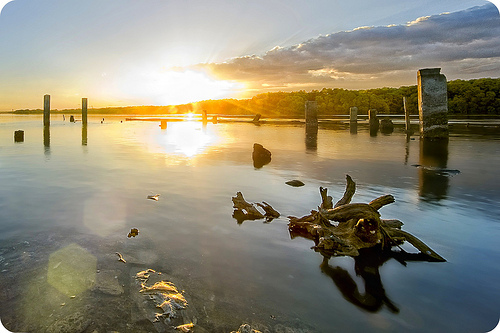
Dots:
pixel 69 189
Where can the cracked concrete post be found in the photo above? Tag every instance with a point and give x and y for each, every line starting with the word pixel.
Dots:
pixel 432 103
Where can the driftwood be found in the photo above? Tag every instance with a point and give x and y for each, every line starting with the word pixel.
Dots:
pixel 350 227
pixel 244 210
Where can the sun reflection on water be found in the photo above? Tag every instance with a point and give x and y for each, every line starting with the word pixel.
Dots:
pixel 184 139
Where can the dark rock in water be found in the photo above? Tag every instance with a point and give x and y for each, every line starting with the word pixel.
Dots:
pixel 295 183
pixel 386 126
pixel 261 156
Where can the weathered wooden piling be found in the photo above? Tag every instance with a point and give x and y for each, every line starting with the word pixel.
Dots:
pixel 46 138
pixel 373 121
pixel 204 116
pixel 163 124
pixel 84 111
pixel 19 136
pixel 84 135
pixel 353 120
pixel 46 110
pixel 432 103
pixel 311 115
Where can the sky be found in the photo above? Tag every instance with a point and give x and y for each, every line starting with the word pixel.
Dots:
pixel 164 52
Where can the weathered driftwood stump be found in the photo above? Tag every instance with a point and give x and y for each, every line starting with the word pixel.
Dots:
pixel 344 229
pixel 244 210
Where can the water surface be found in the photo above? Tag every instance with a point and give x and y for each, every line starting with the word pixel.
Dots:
pixel 69 186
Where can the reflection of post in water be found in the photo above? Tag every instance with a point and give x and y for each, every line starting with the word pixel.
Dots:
pixel 46 138
pixel 84 134
pixel 432 173
pixel 353 120
pixel 366 265
pixel 311 112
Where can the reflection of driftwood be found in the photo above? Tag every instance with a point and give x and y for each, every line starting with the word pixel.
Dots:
pixel 244 210
pixel 349 227
pixel 366 265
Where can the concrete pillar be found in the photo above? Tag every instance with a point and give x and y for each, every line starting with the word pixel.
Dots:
pixel 312 113
pixel 84 111
pixel 373 121
pixel 353 120
pixel 46 110
pixel 432 103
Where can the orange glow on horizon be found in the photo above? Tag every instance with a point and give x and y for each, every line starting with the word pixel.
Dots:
pixel 174 87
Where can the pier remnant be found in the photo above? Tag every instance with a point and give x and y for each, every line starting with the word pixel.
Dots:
pixel 46 110
pixel 373 121
pixel 163 124
pixel 19 136
pixel 432 103
pixel 204 116
pixel 84 111
pixel 311 114
pixel 353 120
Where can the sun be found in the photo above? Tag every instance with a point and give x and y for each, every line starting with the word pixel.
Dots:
pixel 172 87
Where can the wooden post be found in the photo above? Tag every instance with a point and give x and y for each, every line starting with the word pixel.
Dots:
pixel 432 103
pixel 353 120
pixel 204 116
pixel 46 110
pixel 311 115
pixel 163 124
pixel 84 134
pixel 373 121
pixel 19 136
pixel 84 111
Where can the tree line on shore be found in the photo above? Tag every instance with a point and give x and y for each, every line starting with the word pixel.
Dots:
pixel 465 97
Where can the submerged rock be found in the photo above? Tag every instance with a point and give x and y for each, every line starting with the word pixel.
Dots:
pixel 73 323
pixel 245 328
pixel 107 282
pixel 295 183
pixel 160 301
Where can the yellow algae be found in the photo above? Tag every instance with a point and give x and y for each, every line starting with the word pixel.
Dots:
pixel 144 275
pixel 185 328
pixel 161 286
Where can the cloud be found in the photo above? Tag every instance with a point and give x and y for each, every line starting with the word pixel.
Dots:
pixel 465 44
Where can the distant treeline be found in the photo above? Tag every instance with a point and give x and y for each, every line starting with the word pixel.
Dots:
pixel 471 97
